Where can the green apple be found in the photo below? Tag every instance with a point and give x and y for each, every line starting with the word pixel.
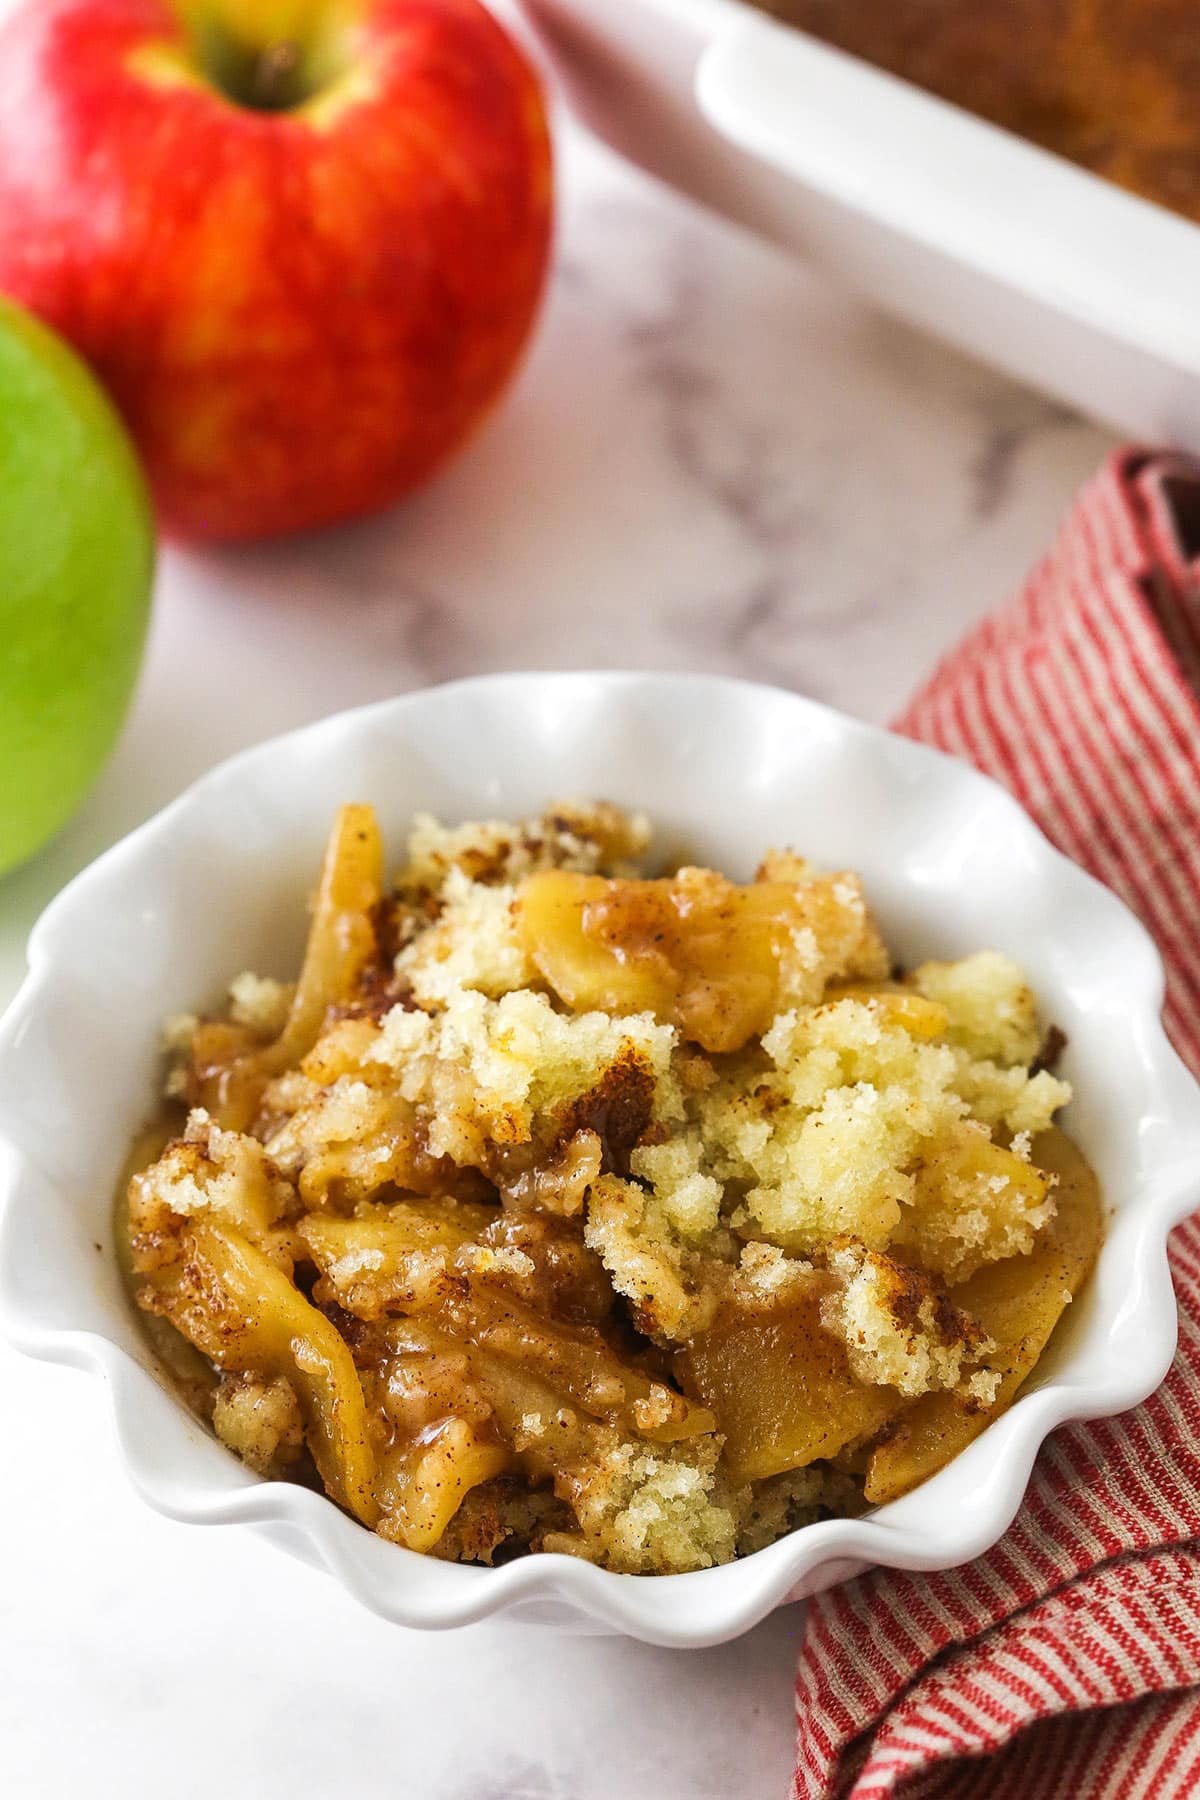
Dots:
pixel 76 564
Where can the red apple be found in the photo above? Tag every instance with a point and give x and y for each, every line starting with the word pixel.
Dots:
pixel 302 241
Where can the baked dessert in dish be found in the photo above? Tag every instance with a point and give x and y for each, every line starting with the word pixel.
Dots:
pixel 1103 83
pixel 558 1206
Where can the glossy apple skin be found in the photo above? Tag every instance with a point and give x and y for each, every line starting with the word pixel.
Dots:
pixel 301 315
pixel 76 562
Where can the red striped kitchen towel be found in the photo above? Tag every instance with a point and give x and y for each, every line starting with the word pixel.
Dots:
pixel 1065 1663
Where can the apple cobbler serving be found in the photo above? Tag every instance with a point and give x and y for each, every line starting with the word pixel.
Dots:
pixel 558 1208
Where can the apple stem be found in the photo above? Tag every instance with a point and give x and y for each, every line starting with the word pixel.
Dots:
pixel 273 79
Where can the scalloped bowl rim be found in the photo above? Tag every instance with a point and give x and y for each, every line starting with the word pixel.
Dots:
pixel 179 1470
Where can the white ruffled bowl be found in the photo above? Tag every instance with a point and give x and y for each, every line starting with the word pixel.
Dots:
pixel 216 883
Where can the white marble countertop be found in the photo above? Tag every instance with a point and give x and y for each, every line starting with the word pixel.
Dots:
pixel 711 461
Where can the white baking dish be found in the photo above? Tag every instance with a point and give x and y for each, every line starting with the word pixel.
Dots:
pixel 1001 248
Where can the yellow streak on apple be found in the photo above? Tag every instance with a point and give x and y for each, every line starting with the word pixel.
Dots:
pixel 164 66
pixel 325 108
